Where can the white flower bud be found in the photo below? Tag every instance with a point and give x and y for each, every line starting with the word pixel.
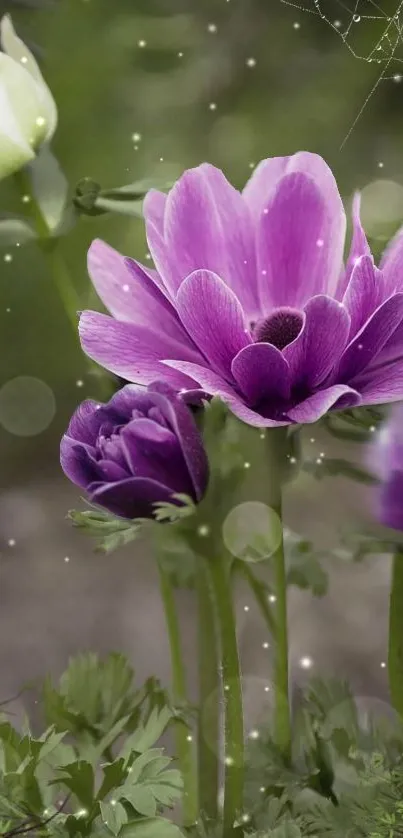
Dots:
pixel 28 114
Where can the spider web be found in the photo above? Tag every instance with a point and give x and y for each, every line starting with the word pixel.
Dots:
pixel 385 33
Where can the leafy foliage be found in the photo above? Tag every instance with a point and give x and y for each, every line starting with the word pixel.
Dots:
pixel 108 778
pixel 96 702
pixel 346 774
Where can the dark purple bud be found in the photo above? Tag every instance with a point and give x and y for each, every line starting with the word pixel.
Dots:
pixel 140 448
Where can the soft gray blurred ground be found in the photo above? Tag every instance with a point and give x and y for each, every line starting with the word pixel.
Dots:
pixel 51 608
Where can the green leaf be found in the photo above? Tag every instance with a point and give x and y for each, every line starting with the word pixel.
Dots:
pixel 114 775
pixel 142 800
pixel 304 569
pixel 148 733
pixel 111 532
pixel 79 778
pixel 151 828
pixel 114 816
pixel 286 830
pixel 338 468
pixel 49 186
pixel 172 512
pixel 15 230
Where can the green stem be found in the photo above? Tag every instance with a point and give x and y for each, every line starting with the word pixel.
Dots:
pixel 48 245
pixel 184 748
pixel 276 452
pixel 395 653
pixel 232 690
pixel 209 685
pixel 61 275
pixel 259 591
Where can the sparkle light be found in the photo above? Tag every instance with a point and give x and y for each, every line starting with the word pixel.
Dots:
pixel 203 530
pixel 251 62
pixel 212 28
pixel 80 383
pixel 306 663
pixel 11 542
pixel 213 106
pixel 141 44
pixel 8 257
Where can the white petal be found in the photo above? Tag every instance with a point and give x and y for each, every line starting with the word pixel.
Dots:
pixel 19 52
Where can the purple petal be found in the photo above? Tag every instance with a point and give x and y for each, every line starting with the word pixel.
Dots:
pixel 207 226
pixel 213 317
pixel 392 263
pixel 154 206
pixel 77 462
pixel 85 422
pixel 132 498
pixel 359 246
pixel 391 502
pixel 338 397
pixel 180 419
pixel 381 385
pixel 296 244
pixel 132 352
pixel 154 452
pixel 365 292
pixel 110 471
pixel 210 381
pixel 301 228
pixel 371 339
pixel 129 292
pixel 216 386
pixel 317 349
pixel 262 373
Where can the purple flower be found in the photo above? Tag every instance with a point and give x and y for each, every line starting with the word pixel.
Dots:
pixel 250 300
pixel 140 448
pixel 386 461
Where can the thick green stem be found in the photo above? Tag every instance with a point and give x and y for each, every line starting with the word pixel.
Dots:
pixel 395 653
pixel 232 691
pixel 209 687
pixel 275 464
pixel 184 747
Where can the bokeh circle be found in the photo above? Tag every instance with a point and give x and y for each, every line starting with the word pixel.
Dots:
pixel 27 406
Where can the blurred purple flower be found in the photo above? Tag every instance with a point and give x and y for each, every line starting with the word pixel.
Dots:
pixel 250 300
pixel 140 448
pixel 386 461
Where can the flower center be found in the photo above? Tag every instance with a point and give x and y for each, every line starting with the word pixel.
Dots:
pixel 280 328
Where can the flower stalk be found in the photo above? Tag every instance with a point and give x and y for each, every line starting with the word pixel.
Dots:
pixel 232 692
pixel 209 687
pixel 395 651
pixel 184 746
pixel 276 452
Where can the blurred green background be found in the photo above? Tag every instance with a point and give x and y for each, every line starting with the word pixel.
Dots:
pixel 134 81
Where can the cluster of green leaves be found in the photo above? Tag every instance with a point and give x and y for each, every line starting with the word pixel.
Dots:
pixel 345 777
pixel 95 771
